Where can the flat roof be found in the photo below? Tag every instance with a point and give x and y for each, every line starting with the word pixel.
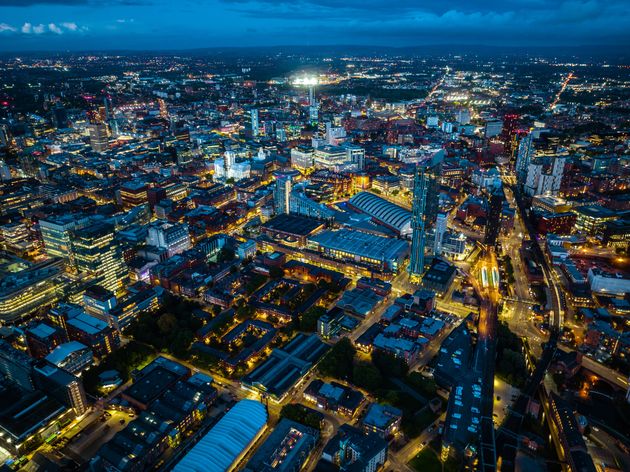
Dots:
pixel 298 225
pixel 361 244
pixel 152 385
pixel 89 324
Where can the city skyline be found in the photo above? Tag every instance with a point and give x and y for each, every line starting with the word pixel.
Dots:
pixel 317 258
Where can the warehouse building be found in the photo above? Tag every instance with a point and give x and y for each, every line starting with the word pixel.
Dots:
pixel 224 446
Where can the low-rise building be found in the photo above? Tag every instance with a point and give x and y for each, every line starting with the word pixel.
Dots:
pixel 382 419
pixel 334 396
pixel 285 450
pixel 351 449
pixel 73 357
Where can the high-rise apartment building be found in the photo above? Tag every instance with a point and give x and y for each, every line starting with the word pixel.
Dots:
pixel 440 231
pixel 523 157
pixel 420 187
pixel 282 194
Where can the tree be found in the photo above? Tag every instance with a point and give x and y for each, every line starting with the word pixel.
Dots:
pixel 367 376
pixel 226 254
pixel 389 365
pixel 338 362
pixel 301 414
pixel 308 320
pixel 167 323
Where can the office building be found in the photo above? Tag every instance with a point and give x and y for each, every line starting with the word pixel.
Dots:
pixel 42 339
pixel 73 357
pixel 62 385
pixel 302 157
pixel 97 254
pixel 16 366
pixel 133 193
pixel 98 137
pixel 605 282
pixel 174 237
pixel 300 204
pixel 26 287
pixel 493 128
pixel 57 235
pixel 89 330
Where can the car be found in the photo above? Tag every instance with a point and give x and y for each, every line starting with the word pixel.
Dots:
pixel 475 420
pixel 474 409
pixel 458 403
pixel 122 421
pixel 423 443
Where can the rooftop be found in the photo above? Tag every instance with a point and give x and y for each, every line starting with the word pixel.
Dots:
pixel 218 450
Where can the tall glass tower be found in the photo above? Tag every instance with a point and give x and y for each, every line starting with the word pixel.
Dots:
pixel 420 187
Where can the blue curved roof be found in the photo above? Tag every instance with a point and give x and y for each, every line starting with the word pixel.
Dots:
pixel 223 444
pixel 385 212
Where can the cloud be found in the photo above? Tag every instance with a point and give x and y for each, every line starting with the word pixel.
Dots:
pixel 7 28
pixel 95 3
pixel 29 28
pixel 28 3
pixel 409 22
pixel 53 28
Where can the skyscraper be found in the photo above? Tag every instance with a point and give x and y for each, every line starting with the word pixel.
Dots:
pixel 523 157
pixel 98 137
pixel 255 127
pixel 420 187
pixel 282 194
pixel 440 230
pixel 229 160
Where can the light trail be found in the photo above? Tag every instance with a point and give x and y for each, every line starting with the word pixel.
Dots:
pixel 562 88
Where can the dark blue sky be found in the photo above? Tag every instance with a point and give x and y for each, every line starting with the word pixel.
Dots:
pixel 181 24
